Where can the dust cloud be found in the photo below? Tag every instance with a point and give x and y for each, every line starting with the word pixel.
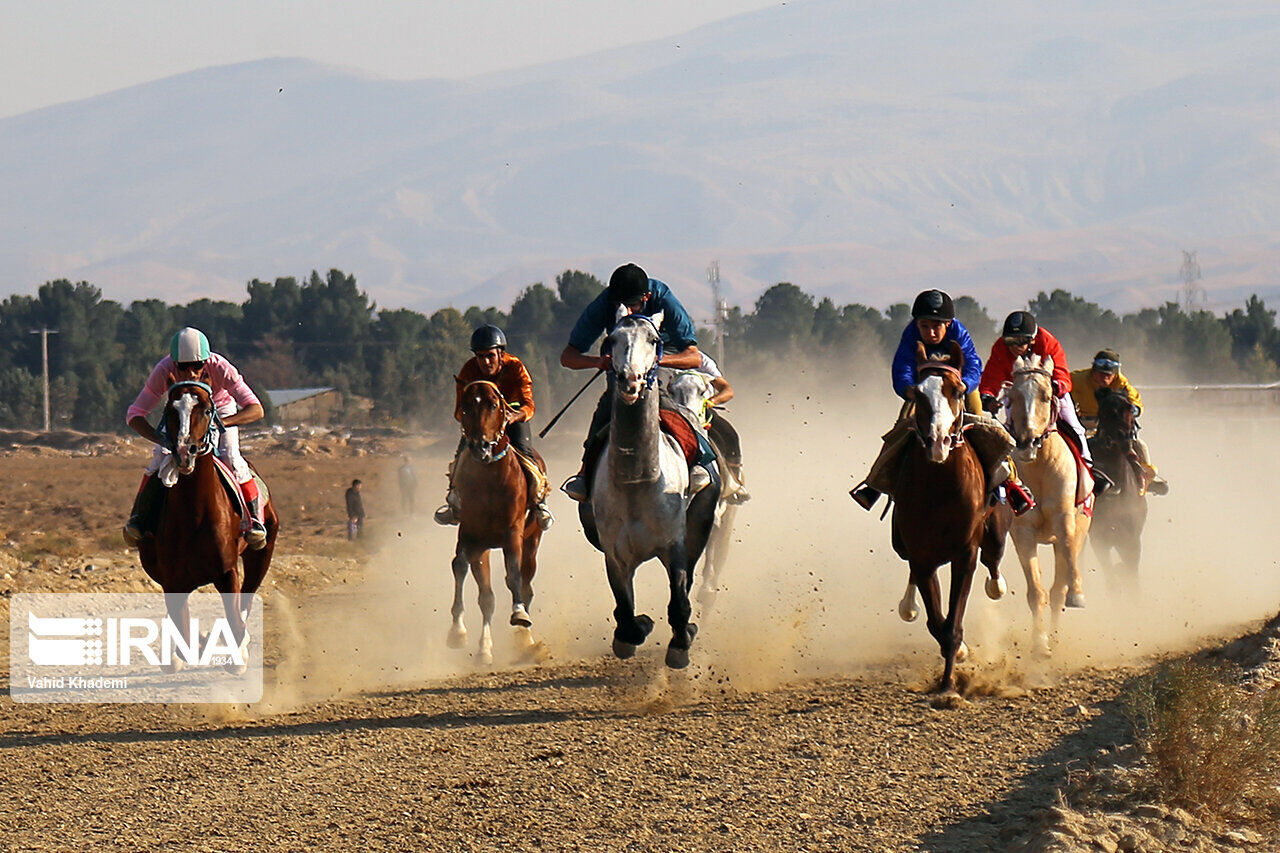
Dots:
pixel 812 584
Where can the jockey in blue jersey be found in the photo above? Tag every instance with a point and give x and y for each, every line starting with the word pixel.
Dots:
pixel 631 289
pixel 934 326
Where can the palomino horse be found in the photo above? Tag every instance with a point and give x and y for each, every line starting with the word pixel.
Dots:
pixel 198 539
pixel 941 513
pixel 494 495
pixel 639 508
pixel 1121 512
pixel 1048 467
pixel 691 390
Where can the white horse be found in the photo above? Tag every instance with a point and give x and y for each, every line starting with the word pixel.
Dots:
pixel 1048 467
pixel 639 507
pixel 691 389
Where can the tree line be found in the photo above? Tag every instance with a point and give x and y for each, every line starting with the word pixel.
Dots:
pixel 325 331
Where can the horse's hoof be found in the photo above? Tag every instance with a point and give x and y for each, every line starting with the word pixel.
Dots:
pixel 1075 599
pixel 623 650
pixel 677 658
pixel 996 588
pixel 174 666
pixel 520 618
pixel 457 638
pixel 484 657
pixel 645 623
pixel 962 653
pixel 907 610
pixel 1042 649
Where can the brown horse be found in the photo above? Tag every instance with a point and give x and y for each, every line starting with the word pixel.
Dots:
pixel 1121 512
pixel 941 513
pixel 494 494
pixel 198 539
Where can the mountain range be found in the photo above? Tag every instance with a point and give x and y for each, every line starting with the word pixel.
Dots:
pixel 862 149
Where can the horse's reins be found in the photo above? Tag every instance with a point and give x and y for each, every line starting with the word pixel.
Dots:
pixel 502 433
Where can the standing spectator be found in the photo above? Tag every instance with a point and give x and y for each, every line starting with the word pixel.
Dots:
pixel 355 510
pixel 408 485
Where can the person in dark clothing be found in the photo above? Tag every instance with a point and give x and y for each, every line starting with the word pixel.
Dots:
pixel 355 511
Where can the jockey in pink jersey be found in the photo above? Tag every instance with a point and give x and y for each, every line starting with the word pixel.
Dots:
pixel 189 359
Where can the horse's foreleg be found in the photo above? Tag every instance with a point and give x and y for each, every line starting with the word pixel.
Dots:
pixel 458 630
pixel 1024 542
pixel 480 568
pixel 236 606
pixel 962 570
pixel 925 578
pixel 179 611
pixel 513 561
pixel 630 630
pixel 678 607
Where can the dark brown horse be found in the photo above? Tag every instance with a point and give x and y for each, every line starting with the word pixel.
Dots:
pixel 494 493
pixel 941 513
pixel 198 539
pixel 1120 512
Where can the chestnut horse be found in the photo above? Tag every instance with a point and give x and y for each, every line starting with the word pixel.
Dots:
pixel 1048 467
pixel 495 500
pixel 1121 512
pixel 197 538
pixel 941 513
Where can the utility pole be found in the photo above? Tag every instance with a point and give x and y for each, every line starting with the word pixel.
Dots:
pixel 721 309
pixel 44 332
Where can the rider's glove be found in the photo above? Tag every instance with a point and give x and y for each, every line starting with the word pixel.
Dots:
pixel 990 403
pixel 1058 390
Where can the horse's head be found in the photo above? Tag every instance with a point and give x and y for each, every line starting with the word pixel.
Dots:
pixel 691 389
pixel 939 402
pixel 635 348
pixel 1117 417
pixel 485 415
pixel 1029 402
pixel 188 422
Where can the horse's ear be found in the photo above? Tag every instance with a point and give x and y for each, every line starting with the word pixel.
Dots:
pixel 956 356
pixel 620 313
pixel 910 394
pixel 657 319
pixel 1046 364
pixel 456 380
pixel 921 358
pixel 171 379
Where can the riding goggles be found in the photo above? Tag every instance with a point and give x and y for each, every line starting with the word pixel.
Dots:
pixel 1019 340
pixel 1106 365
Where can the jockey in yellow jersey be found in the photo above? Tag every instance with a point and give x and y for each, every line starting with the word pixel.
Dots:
pixel 1105 373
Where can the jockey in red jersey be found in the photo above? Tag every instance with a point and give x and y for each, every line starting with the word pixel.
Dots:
pixel 189 359
pixel 1021 336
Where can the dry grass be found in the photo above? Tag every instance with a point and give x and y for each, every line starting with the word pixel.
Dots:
pixel 1213 747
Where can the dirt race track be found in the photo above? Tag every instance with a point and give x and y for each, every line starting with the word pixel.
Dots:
pixel 803 722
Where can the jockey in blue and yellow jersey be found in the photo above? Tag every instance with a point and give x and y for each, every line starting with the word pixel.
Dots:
pixel 934 326
pixel 630 288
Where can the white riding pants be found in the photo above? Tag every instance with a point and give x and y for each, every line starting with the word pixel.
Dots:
pixel 1067 415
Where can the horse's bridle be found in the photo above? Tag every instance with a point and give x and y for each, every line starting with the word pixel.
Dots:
pixel 489 446
pixel 1052 425
pixel 210 442
pixel 955 435
pixel 653 371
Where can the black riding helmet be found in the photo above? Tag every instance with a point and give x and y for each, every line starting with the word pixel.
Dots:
pixel 933 305
pixel 628 284
pixel 1019 324
pixel 488 336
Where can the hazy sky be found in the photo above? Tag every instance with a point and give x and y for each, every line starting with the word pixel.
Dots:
pixel 61 50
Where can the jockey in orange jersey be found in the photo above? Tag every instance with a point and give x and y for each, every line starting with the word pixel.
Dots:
pixel 492 363
pixel 189 359
pixel 1021 336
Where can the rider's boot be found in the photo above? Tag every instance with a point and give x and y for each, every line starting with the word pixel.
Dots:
pixel 256 536
pixel 1101 482
pixel 448 514
pixel 740 496
pixel 137 527
pixel 1158 485
pixel 865 496
pixel 542 514
pixel 576 486
pixel 1019 496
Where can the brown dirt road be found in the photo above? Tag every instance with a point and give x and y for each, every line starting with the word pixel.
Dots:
pixel 802 723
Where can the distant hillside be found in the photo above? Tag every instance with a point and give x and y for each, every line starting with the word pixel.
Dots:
pixel 861 149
